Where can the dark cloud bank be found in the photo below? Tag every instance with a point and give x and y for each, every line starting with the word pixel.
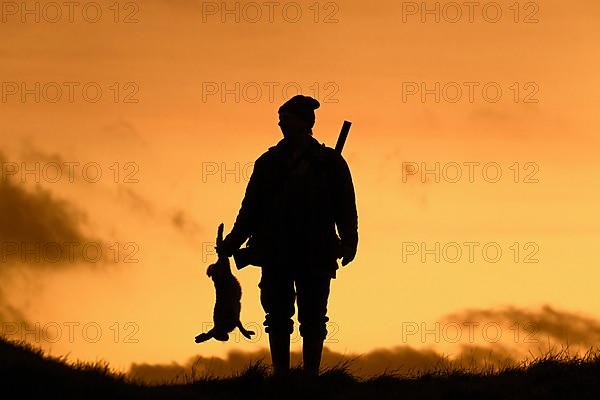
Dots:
pixel 37 231
pixel 554 328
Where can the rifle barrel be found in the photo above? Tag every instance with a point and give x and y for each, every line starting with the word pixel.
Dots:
pixel 343 136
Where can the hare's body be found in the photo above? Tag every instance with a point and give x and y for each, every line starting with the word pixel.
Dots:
pixel 226 315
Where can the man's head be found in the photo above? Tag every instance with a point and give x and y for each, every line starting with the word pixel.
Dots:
pixel 297 116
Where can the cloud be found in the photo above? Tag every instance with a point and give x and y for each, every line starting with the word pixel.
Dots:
pixel 179 219
pixel 561 327
pixel 184 223
pixel 8 313
pixel 404 360
pixel 39 229
pixel 548 323
pixel 10 316
pixel 123 132
pixel 31 153
pixel 134 200
pixel 196 366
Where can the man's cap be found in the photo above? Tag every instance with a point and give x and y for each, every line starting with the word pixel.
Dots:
pixel 301 106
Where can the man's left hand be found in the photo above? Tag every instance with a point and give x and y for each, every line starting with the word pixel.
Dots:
pixel 347 254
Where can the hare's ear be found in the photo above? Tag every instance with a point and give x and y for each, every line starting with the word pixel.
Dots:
pixel 220 234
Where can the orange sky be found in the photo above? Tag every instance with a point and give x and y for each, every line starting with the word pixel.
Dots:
pixel 357 68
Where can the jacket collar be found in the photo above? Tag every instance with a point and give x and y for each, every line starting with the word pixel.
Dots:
pixel 282 146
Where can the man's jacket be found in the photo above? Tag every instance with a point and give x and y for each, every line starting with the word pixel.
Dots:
pixel 291 209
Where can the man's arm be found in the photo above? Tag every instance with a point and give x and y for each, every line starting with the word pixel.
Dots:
pixel 346 216
pixel 245 222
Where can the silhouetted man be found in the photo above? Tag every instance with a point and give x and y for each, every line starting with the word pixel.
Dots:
pixel 298 193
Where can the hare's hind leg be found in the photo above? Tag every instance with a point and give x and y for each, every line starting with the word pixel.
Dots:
pixel 248 334
pixel 203 337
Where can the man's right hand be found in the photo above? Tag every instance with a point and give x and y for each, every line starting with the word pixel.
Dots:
pixel 225 249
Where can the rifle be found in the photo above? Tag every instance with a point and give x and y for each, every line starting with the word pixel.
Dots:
pixel 339 146
pixel 246 255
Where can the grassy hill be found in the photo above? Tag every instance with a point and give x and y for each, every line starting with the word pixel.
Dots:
pixel 26 372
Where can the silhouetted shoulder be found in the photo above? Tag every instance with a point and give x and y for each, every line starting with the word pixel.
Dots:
pixel 334 158
pixel 266 158
pixel 330 152
pixel 273 153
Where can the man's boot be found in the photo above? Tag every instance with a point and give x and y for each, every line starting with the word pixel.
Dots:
pixel 280 353
pixel 312 349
